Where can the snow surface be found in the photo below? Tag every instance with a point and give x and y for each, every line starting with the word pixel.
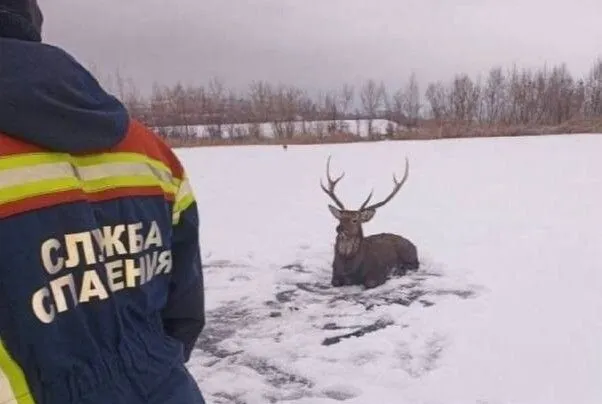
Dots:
pixel 507 307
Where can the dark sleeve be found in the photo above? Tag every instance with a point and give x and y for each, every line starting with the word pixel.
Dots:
pixel 184 313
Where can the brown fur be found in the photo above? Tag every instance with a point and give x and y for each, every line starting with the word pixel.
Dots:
pixel 370 260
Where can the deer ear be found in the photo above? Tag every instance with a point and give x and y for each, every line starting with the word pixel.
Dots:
pixel 366 215
pixel 335 212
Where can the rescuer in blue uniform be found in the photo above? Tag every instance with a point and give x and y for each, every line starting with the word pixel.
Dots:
pixel 101 283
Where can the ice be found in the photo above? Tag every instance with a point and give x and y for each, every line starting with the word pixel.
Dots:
pixel 505 308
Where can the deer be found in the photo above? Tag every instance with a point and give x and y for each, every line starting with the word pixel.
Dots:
pixel 366 260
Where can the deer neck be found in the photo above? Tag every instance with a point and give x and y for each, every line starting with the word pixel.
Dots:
pixel 348 247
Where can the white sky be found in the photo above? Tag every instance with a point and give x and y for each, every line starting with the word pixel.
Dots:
pixel 321 43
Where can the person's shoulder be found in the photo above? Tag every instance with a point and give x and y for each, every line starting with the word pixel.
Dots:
pixel 147 141
pixel 143 131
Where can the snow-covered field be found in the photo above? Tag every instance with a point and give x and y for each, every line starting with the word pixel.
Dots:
pixel 506 309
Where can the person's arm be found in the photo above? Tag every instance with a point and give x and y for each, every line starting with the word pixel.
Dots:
pixel 184 313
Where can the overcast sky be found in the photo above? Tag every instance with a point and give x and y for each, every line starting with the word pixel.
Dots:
pixel 321 43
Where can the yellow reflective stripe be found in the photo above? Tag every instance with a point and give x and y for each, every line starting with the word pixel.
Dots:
pixel 117 170
pixel 118 157
pixel 13 386
pixel 125 181
pixel 30 159
pixel 36 174
pixel 27 174
pixel 37 188
pixel 184 198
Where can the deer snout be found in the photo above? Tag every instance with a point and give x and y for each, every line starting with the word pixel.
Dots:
pixel 340 229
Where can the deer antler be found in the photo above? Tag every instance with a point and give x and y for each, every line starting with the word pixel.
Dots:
pixel 396 188
pixel 331 185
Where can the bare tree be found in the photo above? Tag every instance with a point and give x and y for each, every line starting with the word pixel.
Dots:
pixel 261 94
pixel 558 95
pixel 182 109
pixel 234 116
pixel 159 110
pixel 593 90
pixel 521 96
pixel 285 101
pixel 494 97
pixel 346 97
pixel 578 106
pixel 307 110
pixel 136 105
pixel 437 96
pixel 464 99
pixel 331 110
pixel 372 96
pixel 217 107
pixel 395 105
pixel 200 104
pixel 411 102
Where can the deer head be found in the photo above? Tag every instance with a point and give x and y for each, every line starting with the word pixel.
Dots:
pixel 349 230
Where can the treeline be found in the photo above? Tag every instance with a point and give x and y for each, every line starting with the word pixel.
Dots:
pixel 546 96
pixel 504 97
